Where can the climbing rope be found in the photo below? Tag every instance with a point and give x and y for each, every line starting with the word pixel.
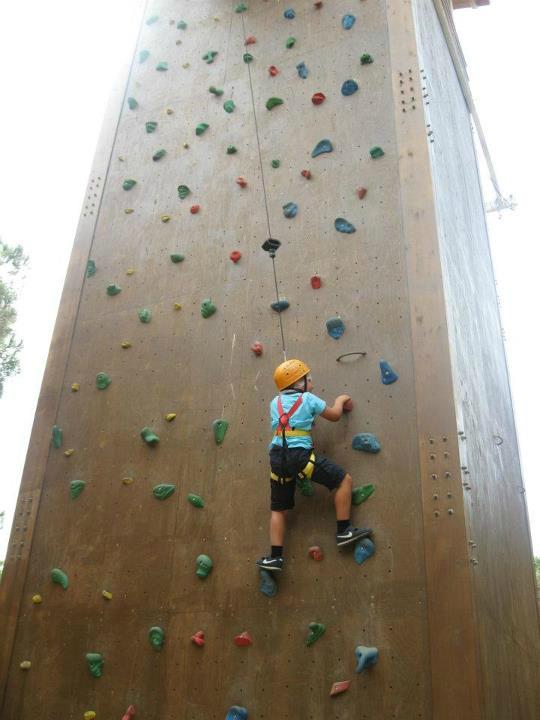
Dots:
pixel 271 244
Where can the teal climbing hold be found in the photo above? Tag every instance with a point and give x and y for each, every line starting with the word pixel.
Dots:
pixel 344 226
pixel 247 57
pixel 305 486
pixel 163 491
pixel 152 20
pixel 181 25
pixel 95 663
pixel 145 315
pixel 388 376
pixel 218 92
pixel 150 126
pixel 195 500
pixel 177 258
pixel 290 210
pixel 240 8
pixel 289 14
pixel 236 713
pixel 149 436
pixel 156 635
pixel 323 146
pixel 162 66
pixel 302 70
pixel 361 494
pixel 113 290
pixel 363 550
pixel 376 152
pixel 59 577
pixel 209 56
pixel 90 268
pixel 366 59
pixel 132 103
pixel 231 150
pixel 201 128
pixel 143 55
pixel 207 308
pixel 102 381
pixel 76 487
pixel 365 657
pixel 128 184
pixel 316 630
pixel 229 106
pixel 349 87
pixel 335 327
pixel 158 154
pixel 183 191
pixel 348 21
pixel 57 436
pixel 220 428
pixel 290 42
pixel 280 306
pixel 366 442
pixel 204 566
pixel 273 102
pixel 267 585
pixel 275 163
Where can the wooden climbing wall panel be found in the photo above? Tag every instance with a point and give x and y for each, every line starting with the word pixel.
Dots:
pixel 116 535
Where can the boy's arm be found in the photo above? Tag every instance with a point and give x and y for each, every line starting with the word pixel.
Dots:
pixel 335 412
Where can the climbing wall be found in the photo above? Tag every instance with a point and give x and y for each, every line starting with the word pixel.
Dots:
pixel 211 146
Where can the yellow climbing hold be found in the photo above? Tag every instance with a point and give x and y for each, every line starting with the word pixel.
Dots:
pixel 127 480
pixel 169 111
pixel 169 417
pixel 130 271
pixel 128 211
pixel 89 715
pixel 75 387
pixel 37 599
pixel 216 19
pixel 25 665
pixel 106 594
pixel 69 452
pixel 177 306
pixel 126 344
pixel 185 66
pixel 165 218
pixel 186 146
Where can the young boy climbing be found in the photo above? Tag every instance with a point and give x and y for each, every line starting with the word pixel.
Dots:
pixel 292 457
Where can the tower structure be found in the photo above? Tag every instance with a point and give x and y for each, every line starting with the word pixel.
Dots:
pixel 183 176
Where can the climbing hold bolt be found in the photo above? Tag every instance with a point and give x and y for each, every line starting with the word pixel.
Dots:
pixel 366 59
pixel 194 209
pixel 349 87
pixel 362 192
pixel 158 154
pixel 316 282
pixel 318 98
pixel 344 226
pixel 201 128
pixel 302 70
pixel 183 191
pixel 323 146
pixel 163 491
pixel 388 376
pixel 273 70
pixel 209 56
pixel 267 585
pixel 177 258
pixel 220 428
pixel 235 256
pixel 95 663
pixel 37 599
pixel 348 21
pixel 229 106
pixel 113 290
pixel 204 566
pixel 363 550
pixel 315 553
pixel 273 102
pixel 198 638
pixel 76 487
pixel 290 210
pixel 339 687
pixel 195 500
pixel 57 436
pixel 102 381
pixel 128 184
pixel 241 181
pixel 316 630
pixel 90 268
pixel 376 152
pixel 236 713
pixel 280 305
pixel 169 417
pixel 156 635
pixel 257 349
pixel 243 640
pixel 149 436
pixel 207 308
pixel 366 442
pixel 132 103
pixel 143 55
pixel 360 494
pixel 162 66
pixel 60 578
pixel 365 657
pixel 335 327
pixel 290 42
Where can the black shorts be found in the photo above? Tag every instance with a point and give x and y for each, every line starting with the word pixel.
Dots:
pixel 325 473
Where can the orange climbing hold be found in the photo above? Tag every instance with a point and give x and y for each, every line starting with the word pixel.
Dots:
pixel 241 181
pixel 130 713
pixel 316 282
pixel 198 638
pixel 243 640
pixel 235 256
pixel 251 40
pixel 194 209
pixel 318 98
pixel 362 192
pixel 306 174
pixel 339 687
pixel 316 553
pixel 273 70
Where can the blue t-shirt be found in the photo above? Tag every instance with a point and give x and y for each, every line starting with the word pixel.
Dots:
pixel 301 420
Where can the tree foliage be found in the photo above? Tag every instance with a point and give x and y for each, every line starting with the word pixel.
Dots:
pixel 12 263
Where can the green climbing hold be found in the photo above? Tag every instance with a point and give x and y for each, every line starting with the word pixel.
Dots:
pixel 158 154
pixel 209 56
pixel 207 308
pixel 306 487
pixel 149 436
pixel 145 315
pixel 177 258
pixel 276 163
pixel 57 436
pixel 220 430
pixel 90 268
pixel 218 92
pixel 201 128
pixel 229 106
pixel 376 152
pixel 240 8
pixel 289 43
pixel 156 635
pixel 128 184
pixel 316 630
pixel 181 25
pixel 150 126
pixel 152 20
pixel 204 566
pixel 163 491
pixel 162 66
pixel 273 102
pixel 102 381
pixel 195 500
pixel 76 487
pixel 183 191
pixel 60 578
pixel 143 55
pixel 113 290
pixel 247 57
pixel 132 103
pixel 359 494
pixel 95 663
pixel 231 150
pixel 366 59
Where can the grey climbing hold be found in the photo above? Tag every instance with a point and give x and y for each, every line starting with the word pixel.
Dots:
pixel 102 381
pixel 162 66
pixel 290 210
pixel 181 25
pixel 57 436
pixel 360 494
pixel 177 258
pixel 132 103
pixel 149 436
pixel 348 21
pixel 145 315
pixel 376 152
pixel 275 163
pixel 143 55
pixel 150 126
pixel 365 657
pixel 335 327
pixel 366 442
pixel 201 128
pixel 229 106
pixel 76 487
pixel 113 290
pixel 366 59
pixel 280 305
pixel 388 376
pixel 289 14
pixel 218 92
pixel 302 70
pixel 344 226
pixel 90 268
pixel 268 586
pixel 158 154
pixel 363 550
pixel 183 191
pixel 128 184
pixel 209 56
pixel 323 146
pixel 349 87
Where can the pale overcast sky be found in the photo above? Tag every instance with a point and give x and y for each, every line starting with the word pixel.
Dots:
pixel 58 62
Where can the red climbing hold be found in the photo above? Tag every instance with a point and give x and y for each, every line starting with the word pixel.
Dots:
pixel 316 282
pixel 306 174
pixel 243 640
pixel 194 209
pixel 318 98
pixel 198 638
pixel 317 5
pixel 273 70
pixel 235 255
pixel 251 40
pixel 130 713
pixel 257 349
pixel 241 181
pixel 362 192
pixel 316 553
pixel 339 687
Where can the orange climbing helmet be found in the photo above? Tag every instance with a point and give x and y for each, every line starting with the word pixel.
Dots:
pixel 289 372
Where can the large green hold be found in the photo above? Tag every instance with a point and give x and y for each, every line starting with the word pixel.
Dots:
pixel 316 630
pixel 149 436
pixel 207 308
pixel 229 106
pixel 156 635
pixel 113 290
pixel 163 491
pixel 102 381
pixel 247 58
pixel 231 150
pixel 145 315
pixel 90 268
pixel 60 578
pixel 150 126
pixel 183 191
pixel 177 258
pixel 220 430
pixel 76 487
pixel 273 102
pixel 359 494
pixel 159 154
pixel 57 436
pixel 132 103
pixel 95 663
pixel 128 184
pixel 195 500
pixel 201 128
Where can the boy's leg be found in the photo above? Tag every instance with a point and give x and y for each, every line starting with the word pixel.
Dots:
pixel 342 499
pixel 277 527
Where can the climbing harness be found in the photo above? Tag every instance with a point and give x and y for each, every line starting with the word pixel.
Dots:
pixel 285 429
pixel 304 474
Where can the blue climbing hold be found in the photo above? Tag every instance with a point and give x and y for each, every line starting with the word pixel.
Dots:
pixel 344 226
pixel 365 657
pixel 324 146
pixel 348 21
pixel 280 305
pixel 388 376
pixel 144 55
pixel 366 442
pixel 335 327
pixel 236 713
pixel 268 586
pixel 349 87
pixel 363 550
pixel 289 14
pixel 290 210
pixel 302 70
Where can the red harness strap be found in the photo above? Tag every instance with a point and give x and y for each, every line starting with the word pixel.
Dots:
pixel 284 417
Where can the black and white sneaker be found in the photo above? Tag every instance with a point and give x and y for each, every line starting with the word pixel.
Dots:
pixel 351 534
pixel 270 563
